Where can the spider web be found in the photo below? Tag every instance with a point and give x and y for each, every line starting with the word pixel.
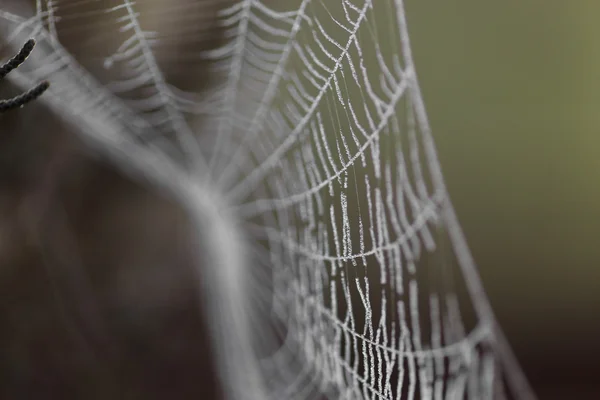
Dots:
pixel 348 275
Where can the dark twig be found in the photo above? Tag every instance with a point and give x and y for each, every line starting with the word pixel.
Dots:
pixel 22 99
pixel 18 59
pixel 31 94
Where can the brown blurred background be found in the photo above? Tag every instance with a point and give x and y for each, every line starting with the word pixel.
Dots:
pixel 513 94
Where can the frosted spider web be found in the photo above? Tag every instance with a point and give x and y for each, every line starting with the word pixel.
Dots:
pixel 340 270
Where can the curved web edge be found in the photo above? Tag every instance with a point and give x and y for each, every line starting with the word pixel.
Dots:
pixel 512 369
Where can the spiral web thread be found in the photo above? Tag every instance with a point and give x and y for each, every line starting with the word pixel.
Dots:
pixel 316 136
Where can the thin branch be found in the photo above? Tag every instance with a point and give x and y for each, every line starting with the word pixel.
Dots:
pixel 31 94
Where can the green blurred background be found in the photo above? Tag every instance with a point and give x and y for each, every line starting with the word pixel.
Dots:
pixel 512 90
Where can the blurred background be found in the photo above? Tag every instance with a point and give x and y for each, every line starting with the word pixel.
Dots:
pixel 512 90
